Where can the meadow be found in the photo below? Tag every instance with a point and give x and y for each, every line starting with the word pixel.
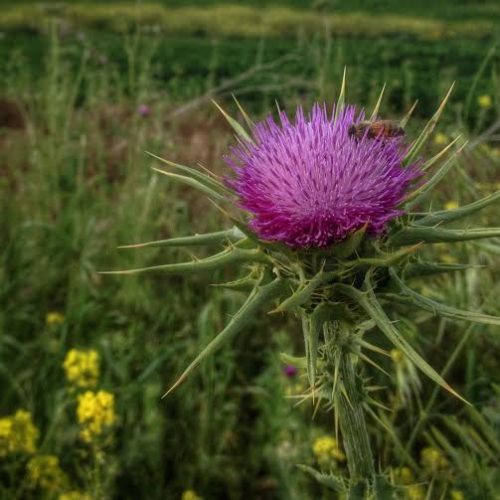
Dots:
pixel 86 357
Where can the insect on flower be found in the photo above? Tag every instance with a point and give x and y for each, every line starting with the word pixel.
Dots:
pixel 384 129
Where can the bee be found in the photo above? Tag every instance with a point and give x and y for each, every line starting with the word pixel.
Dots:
pixel 383 129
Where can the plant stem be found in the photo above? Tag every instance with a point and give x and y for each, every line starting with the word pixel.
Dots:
pixel 348 399
pixel 352 422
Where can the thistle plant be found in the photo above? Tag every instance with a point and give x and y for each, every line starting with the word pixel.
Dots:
pixel 324 228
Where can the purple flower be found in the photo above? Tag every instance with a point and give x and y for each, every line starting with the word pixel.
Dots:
pixel 290 371
pixel 310 184
pixel 143 110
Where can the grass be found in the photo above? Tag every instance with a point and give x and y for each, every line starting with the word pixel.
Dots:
pixel 188 67
pixel 445 9
pixel 75 184
pixel 237 20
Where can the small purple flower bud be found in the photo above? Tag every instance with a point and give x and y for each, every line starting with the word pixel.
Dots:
pixel 143 110
pixel 290 371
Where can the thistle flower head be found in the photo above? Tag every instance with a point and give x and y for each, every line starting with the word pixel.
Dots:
pixel 310 183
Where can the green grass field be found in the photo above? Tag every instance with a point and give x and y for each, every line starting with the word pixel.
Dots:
pixel 445 9
pixel 75 184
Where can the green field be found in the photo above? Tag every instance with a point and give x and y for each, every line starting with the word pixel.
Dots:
pixel 80 104
pixel 445 9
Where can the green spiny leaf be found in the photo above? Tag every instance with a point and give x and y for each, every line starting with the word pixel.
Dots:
pixel 329 480
pixel 259 297
pixel 347 247
pixel 240 131
pixel 412 234
pixel 249 122
pixel 304 293
pixel 205 179
pixel 377 106
pixel 434 159
pixel 216 261
pixel 248 282
pixel 418 269
pixel 341 99
pixel 194 184
pixel 441 309
pixel 420 193
pixel 427 131
pixel 311 332
pixel 368 301
pixel 407 117
pixel 218 237
pixel 386 260
pixel 444 216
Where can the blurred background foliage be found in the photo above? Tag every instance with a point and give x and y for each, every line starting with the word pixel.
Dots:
pixel 85 89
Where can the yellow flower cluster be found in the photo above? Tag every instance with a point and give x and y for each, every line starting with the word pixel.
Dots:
pixel 295 389
pixel 451 205
pixel 54 318
pixel 441 139
pixel 82 368
pixel 485 101
pixel 457 495
pixel 326 449
pixel 397 356
pixel 403 476
pixel 74 495
pixel 432 459
pixel 190 495
pixel 18 434
pixel 95 412
pixel 44 472
pixel 415 492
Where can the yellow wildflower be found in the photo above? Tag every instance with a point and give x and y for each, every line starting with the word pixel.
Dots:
pixel 95 412
pixel 326 448
pixel 54 318
pixel 44 472
pixel 451 205
pixel 295 389
pixel 415 492
pixel 403 475
pixel 18 434
pixel 441 139
pixel 485 101
pixel 74 495
pixel 190 495
pixel 397 356
pixel 449 259
pixel 456 495
pixel 432 459
pixel 82 368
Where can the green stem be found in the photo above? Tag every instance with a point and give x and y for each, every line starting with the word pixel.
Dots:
pixel 348 400
pixel 352 422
